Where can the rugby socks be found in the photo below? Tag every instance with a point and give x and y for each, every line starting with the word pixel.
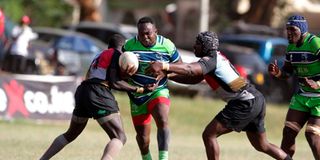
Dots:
pixel 147 156
pixel 55 147
pixel 288 158
pixel 163 137
pixel 112 149
pixel 163 155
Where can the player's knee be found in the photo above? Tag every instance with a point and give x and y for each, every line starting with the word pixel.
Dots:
pixel 262 147
pixel 291 128
pixel 122 137
pixel 62 140
pixel 67 137
pixel 123 140
pixel 143 138
pixel 80 120
pixel 162 122
pixel 312 132
pixel 208 136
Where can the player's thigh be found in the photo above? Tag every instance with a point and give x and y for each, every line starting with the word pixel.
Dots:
pixel 77 124
pixel 215 128
pixel 112 125
pixel 296 116
pixel 160 109
pixel 313 125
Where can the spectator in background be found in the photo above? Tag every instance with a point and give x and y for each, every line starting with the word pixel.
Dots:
pixel 2 34
pixel 52 65
pixel 21 34
pixel 58 67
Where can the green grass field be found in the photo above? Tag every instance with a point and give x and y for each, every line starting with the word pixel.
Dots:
pixel 28 139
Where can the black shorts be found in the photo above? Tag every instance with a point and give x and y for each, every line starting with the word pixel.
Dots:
pixel 244 115
pixel 94 100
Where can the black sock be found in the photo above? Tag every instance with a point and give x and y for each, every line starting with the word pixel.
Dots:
pixel 288 158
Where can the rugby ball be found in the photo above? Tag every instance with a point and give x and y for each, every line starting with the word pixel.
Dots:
pixel 129 62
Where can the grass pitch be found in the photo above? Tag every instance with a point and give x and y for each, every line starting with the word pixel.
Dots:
pixel 27 139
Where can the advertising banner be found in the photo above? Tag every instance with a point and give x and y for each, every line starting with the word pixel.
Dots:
pixel 37 96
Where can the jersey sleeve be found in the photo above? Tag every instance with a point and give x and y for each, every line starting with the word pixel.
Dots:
pixel 315 46
pixel 128 45
pixel 208 64
pixel 172 50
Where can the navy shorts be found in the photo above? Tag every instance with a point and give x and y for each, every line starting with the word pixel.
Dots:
pixel 94 100
pixel 244 115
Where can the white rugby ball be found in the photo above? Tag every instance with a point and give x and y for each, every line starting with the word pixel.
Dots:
pixel 129 60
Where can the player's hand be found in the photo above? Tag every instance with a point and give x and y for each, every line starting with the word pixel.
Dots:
pixel 155 69
pixel 273 68
pixel 131 70
pixel 150 87
pixel 311 83
pixel 154 66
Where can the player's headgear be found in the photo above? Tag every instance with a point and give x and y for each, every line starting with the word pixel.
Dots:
pixel 208 40
pixel 25 19
pixel 298 21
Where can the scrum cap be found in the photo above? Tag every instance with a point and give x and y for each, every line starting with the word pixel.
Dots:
pixel 208 40
pixel 298 21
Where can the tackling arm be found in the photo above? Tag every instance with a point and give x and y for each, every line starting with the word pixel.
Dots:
pixel 185 79
pixel 118 84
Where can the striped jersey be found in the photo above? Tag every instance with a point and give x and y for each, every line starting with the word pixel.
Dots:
pixel 223 78
pixel 164 50
pixel 99 68
pixel 305 61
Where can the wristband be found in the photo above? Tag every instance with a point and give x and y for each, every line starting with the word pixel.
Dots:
pixel 139 89
pixel 165 66
pixel 278 74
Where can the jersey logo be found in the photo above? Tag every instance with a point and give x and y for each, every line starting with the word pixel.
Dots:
pixel 304 57
pixel 102 111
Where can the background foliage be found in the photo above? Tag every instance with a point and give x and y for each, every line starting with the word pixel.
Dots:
pixel 42 13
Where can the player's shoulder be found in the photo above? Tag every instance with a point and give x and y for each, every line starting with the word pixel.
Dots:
pixel 166 43
pixel 313 41
pixel 108 51
pixel 130 42
pixel 164 40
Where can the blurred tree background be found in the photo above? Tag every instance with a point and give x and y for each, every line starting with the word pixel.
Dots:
pixel 56 13
pixel 42 12
pixel 179 24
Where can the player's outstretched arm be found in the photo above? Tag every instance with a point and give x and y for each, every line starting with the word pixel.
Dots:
pixel 187 69
pixel 185 79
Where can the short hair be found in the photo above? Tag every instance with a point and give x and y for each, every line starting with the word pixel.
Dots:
pixel 146 20
pixel 116 41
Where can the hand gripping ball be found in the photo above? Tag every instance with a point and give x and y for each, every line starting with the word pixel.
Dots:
pixel 129 62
